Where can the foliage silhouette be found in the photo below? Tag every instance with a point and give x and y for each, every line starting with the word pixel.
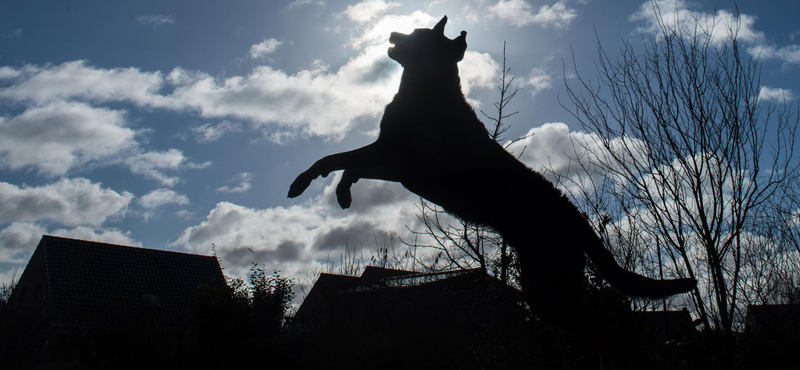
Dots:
pixel 243 317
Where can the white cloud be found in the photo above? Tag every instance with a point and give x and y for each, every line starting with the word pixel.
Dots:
pixel 368 10
pixel 59 136
pixel 477 70
pixel 159 198
pixel 538 80
pixel 55 136
pixel 377 33
pixel 7 73
pixel 199 166
pixel 69 202
pixel 550 146
pixel 776 94
pixel 304 3
pixel 552 149
pixel 244 184
pixel 519 14
pixel 155 20
pixel 78 80
pixel 162 197
pixel 180 76
pixel 470 15
pixel 208 133
pixel 313 102
pixel 675 14
pixel 264 48
pixel 787 54
pixel 184 214
pixel 17 242
pixel 434 3
pixel 152 165
pixel 280 137
pixel 236 228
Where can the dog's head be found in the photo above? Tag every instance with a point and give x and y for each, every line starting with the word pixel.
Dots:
pixel 427 47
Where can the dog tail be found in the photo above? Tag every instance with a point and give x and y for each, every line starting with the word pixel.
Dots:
pixel 631 283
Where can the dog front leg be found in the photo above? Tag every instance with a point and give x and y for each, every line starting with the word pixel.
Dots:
pixel 370 156
pixel 351 176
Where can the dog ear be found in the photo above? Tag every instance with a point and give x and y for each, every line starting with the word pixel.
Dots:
pixel 460 43
pixel 439 27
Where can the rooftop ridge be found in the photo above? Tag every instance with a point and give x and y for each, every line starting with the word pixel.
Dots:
pixel 125 246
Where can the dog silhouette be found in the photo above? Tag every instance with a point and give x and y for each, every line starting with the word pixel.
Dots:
pixel 432 142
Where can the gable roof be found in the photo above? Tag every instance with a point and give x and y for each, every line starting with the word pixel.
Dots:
pixel 385 290
pixel 85 284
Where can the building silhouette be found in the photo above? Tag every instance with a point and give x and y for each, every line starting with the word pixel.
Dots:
pixel 458 319
pixel 80 299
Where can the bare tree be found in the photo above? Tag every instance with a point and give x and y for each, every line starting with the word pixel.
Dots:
pixel 683 159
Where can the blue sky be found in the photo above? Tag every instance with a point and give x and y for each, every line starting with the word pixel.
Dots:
pixel 175 125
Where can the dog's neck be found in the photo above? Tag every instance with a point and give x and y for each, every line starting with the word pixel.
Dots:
pixel 430 84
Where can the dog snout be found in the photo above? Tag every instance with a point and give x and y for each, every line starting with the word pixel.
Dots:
pixel 397 37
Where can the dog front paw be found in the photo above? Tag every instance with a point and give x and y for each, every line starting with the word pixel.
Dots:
pixel 300 184
pixel 343 195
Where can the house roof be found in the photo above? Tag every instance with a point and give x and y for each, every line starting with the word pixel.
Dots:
pixel 378 273
pixel 379 286
pixel 773 317
pixel 99 285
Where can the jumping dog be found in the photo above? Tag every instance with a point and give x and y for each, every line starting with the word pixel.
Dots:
pixel 432 142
